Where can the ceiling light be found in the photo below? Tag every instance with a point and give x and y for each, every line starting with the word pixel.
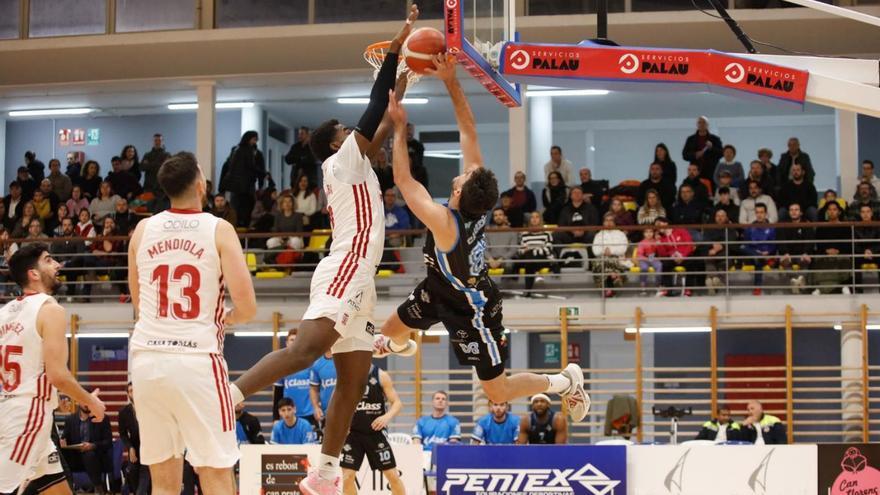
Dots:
pixel 364 101
pixel 50 111
pixel 219 105
pixel 568 92
pixel 246 333
pixel 839 327
pixel 103 335
pixel 669 329
pixel 435 333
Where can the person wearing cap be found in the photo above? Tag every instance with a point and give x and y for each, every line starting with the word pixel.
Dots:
pixel 499 427
pixel 543 425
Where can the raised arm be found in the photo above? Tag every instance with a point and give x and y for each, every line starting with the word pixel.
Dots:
pixel 467 126
pixel 235 271
pixel 387 125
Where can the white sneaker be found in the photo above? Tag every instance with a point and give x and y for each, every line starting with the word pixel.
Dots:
pixel 576 398
pixel 315 485
pixel 382 347
pixel 846 290
pixel 817 292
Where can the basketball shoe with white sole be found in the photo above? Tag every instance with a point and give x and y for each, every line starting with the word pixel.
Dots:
pixel 576 398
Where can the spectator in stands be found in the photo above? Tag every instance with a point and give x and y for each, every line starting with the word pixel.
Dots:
pixel 60 183
pixel 105 203
pixel 296 388
pixel 646 256
pixel 301 159
pixel 665 190
pixel 4 218
pixel 796 246
pixel 756 195
pixel 84 227
pixel 868 174
pixel 95 445
pixel 124 183
pixel 577 213
pixel 91 180
pixel 609 253
pixel 703 148
pixel 381 167
pixel 726 180
pixel 35 168
pixel 74 167
pixel 688 210
pixel 291 430
pixel 594 190
pixel 124 219
pixel 865 196
pixel 7 249
pixel 76 202
pixel 675 246
pixel 222 210
pixel 794 154
pixel 110 256
pixel 535 251
pixel 798 190
pixel 729 163
pixel 543 426
pixel 559 164
pixel 867 244
pixel 514 215
pixel 760 428
pixel 285 221
pixel 834 245
pixel 722 428
pixel 523 197
pixel 758 173
pixel 263 214
pixel 242 174
pixel 554 197
pixel 46 188
pixel 42 205
pixel 28 213
pixel 35 232
pixel 661 156
pixel 724 200
pixel 759 244
pixel 499 427
pixel 306 201
pixel 129 161
pixel 765 155
pixel 70 252
pixel 53 225
pixel 501 244
pixel 396 218
pixel 14 205
pixel 651 209
pixel 698 184
pixel 830 196
pixel 150 164
pixel 622 216
pixel 415 148
pixel 322 383
pixel 718 241
pixel 137 474
pixel 439 427
pixel 247 427
pixel 28 185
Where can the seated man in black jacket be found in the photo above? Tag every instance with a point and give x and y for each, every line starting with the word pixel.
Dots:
pixel 796 246
pixel 137 476
pixel 760 429
pixel 93 444
pixel 576 213
pixel 247 426
pixel 721 428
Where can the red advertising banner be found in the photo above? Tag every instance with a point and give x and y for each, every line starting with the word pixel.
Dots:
pixel 596 62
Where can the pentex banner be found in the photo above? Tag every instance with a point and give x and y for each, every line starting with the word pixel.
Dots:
pixel 532 469
pixel 526 62
pixel 849 469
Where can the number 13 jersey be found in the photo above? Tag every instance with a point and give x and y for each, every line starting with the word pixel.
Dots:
pixel 181 285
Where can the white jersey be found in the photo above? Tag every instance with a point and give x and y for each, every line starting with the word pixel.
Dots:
pixel 22 366
pixel 181 285
pixel 357 214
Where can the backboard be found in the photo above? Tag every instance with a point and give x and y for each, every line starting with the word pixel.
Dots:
pixel 475 32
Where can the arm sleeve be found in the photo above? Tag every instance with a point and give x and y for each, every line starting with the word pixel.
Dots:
pixel 372 117
pixel 417 429
pixel 275 438
pixel 314 379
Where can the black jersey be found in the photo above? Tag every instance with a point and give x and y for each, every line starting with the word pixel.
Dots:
pixel 371 406
pixel 462 269
pixel 541 433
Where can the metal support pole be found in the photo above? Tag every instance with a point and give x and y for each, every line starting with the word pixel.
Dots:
pixel 602 19
pixel 713 357
pixel 789 375
pixel 639 385
pixel 418 374
pixel 866 426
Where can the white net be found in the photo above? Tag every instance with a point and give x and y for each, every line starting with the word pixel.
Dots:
pixel 375 56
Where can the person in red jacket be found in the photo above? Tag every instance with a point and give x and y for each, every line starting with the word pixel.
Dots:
pixel 675 246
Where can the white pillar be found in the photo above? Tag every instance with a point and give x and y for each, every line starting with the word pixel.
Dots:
pixel 3 152
pixel 846 128
pixel 518 140
pixel 540 136
pixel 252 120
pixel 851 381
pixel 206 94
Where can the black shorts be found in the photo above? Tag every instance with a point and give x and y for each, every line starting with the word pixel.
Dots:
pixel 374 445
pixel 43 483
pixel 474 324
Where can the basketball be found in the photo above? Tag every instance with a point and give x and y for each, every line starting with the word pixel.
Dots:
pixel 421 45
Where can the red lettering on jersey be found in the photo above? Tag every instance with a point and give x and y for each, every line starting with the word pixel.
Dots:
pixel 11 327
pixel 176 245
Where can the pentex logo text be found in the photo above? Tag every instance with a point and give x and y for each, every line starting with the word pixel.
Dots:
pixel 586 480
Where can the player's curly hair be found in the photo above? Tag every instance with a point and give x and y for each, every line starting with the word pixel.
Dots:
pixel 321 138
pixel 479 194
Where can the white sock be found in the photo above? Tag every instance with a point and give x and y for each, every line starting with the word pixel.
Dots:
pixel 395 347
pixel 237 396
pixel 328 467
pixel 559 383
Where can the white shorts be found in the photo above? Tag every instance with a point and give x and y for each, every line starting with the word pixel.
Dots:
pixel 26 448
pixel 344 290
pixel 184 406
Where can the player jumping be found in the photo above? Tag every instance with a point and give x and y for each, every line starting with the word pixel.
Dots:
pixel 33 363
pixel 458 291
pixel 343 292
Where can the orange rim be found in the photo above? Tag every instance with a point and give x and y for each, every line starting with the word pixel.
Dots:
pixel 376 51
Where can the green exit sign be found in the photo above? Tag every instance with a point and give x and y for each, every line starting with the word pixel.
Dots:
pixel 572 312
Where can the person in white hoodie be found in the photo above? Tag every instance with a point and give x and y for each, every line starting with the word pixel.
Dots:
pixel 609 253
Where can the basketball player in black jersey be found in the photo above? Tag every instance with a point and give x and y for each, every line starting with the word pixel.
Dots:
pixel 458 291
pixel 543 425
pixel 368 435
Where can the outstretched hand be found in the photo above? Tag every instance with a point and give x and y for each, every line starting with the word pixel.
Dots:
pixel 444 67
pixel 96 407
pixel 403 34
pixel 396 111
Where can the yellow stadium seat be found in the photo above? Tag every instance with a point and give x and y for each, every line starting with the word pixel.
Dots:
pixel 62 278
pixel 748 268
pixel 630 206
pixel 635 269
pixel 384 273
pixel 680 269
pixel 103 278
pixel 251 262
pixel 269 274
pixel 543 271
pixel 869 266
pixel 495 272
pixel 767 268
pixel 318 240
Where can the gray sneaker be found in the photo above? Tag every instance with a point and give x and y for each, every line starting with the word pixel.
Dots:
pixel 575 398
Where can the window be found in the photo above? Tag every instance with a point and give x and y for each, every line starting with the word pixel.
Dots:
pixel 655 5
pixel 557 7
pixel 67 17
pixel 154 15
pixel 244 13
pixel 9 14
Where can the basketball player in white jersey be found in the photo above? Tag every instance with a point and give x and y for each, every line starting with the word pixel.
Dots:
pixel 180 264
pixel 343 293
pixel 33 364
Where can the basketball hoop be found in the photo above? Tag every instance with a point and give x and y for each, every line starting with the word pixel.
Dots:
pixel 375 55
